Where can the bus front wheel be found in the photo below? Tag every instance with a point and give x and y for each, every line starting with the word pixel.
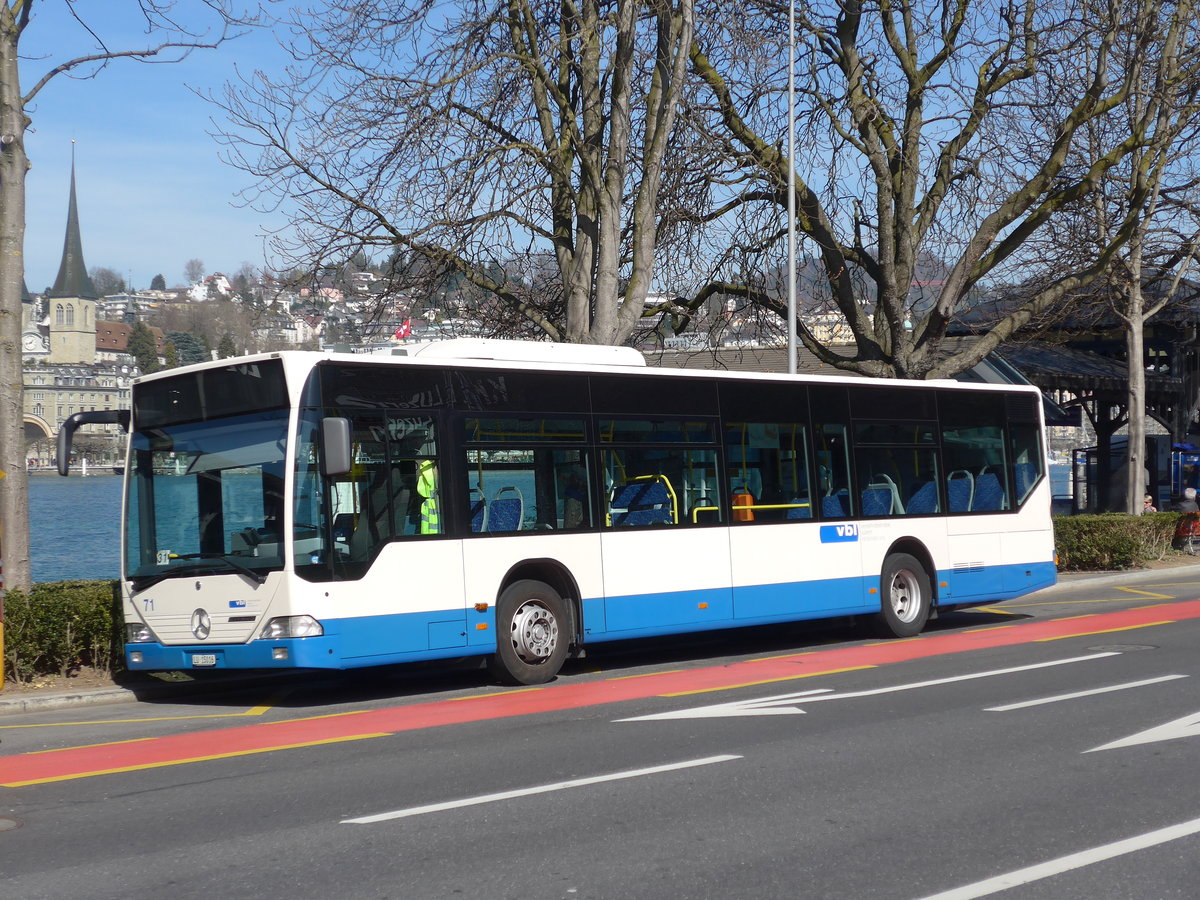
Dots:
pixel 533 634
pixel 906 599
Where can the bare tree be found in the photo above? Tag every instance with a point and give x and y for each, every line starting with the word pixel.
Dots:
pixel 469 135
pixel 106 281
pixel 193 270
pixel 1148 274
pixel 942 130
pixel 170 41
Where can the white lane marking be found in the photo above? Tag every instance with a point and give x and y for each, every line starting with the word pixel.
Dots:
pixel 1067 863
pixel 1188 726
pixel 540 789
pixel 763 706
pixel 1104 690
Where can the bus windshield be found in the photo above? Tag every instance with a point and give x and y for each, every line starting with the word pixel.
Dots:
pixel 206 474
pixel 207 497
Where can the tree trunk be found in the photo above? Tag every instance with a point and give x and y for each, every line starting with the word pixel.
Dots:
pixel 1135 456
pixel 14 485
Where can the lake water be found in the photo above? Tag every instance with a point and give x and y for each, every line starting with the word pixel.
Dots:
pixel 75 527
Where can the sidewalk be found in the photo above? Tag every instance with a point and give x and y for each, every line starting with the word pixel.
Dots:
pixel 1185 567
pixel 141 687
pixel 1181 566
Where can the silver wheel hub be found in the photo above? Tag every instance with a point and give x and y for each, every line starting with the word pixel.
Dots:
pixel 534 632
pixel 904 595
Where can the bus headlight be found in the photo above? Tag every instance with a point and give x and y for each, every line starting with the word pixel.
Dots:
pixel 139 633
pixel 291 627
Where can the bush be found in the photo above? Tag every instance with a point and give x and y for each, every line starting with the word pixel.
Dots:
pixel 1112 540
pixel 60 626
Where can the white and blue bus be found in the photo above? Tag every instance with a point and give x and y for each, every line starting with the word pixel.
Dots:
pixel 521 501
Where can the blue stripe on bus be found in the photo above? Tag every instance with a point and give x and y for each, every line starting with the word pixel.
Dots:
pixel 992 583
pixel 445 634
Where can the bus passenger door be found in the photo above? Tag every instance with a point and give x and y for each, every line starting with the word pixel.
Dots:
pixel 664 569
pixel 800 570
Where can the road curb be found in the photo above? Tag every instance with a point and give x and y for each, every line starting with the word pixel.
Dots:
pixel 1069 580
pixel 62 699
pixel 184 691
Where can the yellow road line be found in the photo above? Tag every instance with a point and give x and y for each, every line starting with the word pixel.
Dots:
pixel 524 690
pixel 1071 602
pixel 729 687
pixel 193 759
pixel 647 675
pixel 252 711
pixel 1104 631
pixel 991 610
pixel 88 746
pixel 1150 594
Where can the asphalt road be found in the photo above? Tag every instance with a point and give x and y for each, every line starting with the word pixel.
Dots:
pixel 1023 750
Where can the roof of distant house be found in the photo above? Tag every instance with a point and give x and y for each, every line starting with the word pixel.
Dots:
pixel 113 337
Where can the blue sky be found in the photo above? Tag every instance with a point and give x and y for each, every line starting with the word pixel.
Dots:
pixel 152 190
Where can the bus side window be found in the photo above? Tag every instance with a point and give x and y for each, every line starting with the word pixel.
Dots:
pixel 393 488
pixel 650 486
pixel 975 458
pixel 528 489
pixel 664 474
pixel 768 472
pixel 898 481
pixel 572 489
pixel 835 497
pixel 1028 459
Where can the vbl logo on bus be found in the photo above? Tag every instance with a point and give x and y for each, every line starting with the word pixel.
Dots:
pixel 836 534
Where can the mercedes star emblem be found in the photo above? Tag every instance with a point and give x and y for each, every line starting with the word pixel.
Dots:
pixel 201 624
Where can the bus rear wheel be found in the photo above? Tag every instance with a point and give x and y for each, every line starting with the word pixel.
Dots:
pixel 907 597
pixel 533 634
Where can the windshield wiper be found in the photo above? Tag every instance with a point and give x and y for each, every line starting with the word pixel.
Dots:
pixel 203 561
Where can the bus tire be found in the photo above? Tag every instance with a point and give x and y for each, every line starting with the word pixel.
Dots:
pixel 533 634
pixel 906 597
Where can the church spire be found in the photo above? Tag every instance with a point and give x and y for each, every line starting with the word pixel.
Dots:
pixel 73 280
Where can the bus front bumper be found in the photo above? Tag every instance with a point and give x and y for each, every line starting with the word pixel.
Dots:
pixel 288 653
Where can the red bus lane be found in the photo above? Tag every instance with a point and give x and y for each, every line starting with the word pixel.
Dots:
pixel 82 762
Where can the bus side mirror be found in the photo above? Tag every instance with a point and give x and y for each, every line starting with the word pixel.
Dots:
pixel 92 417
pixel 335 446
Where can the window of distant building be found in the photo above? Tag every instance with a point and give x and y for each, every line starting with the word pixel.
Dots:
pixel 58 314
pixel 70 315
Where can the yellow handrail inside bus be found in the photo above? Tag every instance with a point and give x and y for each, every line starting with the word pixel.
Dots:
pixel 699 509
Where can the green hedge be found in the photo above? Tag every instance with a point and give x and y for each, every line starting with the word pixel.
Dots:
pixel 1112 540
pixel 61 625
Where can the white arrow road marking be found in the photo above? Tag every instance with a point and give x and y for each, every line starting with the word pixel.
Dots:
pixel 783 704
pixel 778 705
pixel 1075 696
pixel 1188 726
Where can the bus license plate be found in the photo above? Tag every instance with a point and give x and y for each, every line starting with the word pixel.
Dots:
pixel 204 659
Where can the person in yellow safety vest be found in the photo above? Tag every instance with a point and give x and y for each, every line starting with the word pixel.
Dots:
pixel 428 489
